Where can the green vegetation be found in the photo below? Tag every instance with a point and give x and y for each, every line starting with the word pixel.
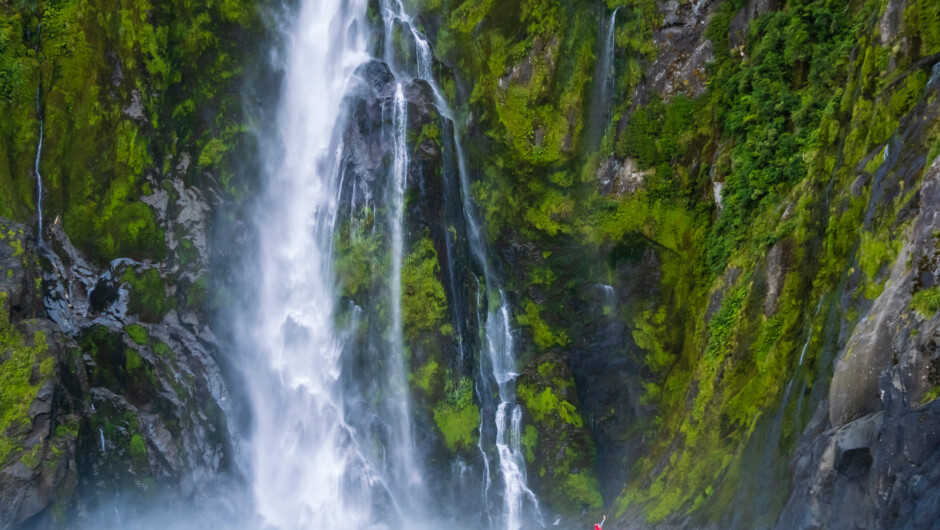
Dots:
pixel 530 439
pixel 425 376
pixel 458 417
pixel 137 447
pixel 542 334
pixel 556 439
pixel 138 334
pixel 148 294
pixel 546 407
pixel 926 301
pixel 794 124
pixel 119 91
pixel 360 262
pixel 21 376
pixel 422 296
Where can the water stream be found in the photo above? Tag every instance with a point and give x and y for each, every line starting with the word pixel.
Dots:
pixel 308 468
pixel 519 504
pixel 36 170
pixel 333 442
pixel 603 88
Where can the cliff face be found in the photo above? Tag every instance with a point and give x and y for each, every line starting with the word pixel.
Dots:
pixel 112 397
pixel 716 221
pixel 730 276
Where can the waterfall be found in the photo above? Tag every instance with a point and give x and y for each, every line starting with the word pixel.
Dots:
pixel 508 419
pixel 36 170
pixel 307 465
pixel 499 353
pixel 332 441
pixel 397 221
pixel 603 89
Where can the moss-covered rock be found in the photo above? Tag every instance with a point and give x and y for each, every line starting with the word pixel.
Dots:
pixel 558 445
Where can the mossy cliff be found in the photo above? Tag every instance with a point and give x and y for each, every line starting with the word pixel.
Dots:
pixel 722 265
pixel 761 175
pixel 109 383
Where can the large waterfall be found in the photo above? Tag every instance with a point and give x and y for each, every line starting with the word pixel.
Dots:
pixel 333 440
pixel 307 468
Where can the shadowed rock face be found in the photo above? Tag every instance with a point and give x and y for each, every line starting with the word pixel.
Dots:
pixel 869 458
pixel 119 405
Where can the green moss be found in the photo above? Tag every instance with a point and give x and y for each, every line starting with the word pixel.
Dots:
pixel 162 349
pixel 425 375
pixel 542 334
pixel 137 448
pixel 137 333
pixel 584 490
pixel 148 297
pixel 920 18
pixel 876 253
pixel 458 417
pixel 546 407
pixel 17 246
pixel 134 362
pixel 530 440
pixel 926 301
pixel 197 293
pixel 20 388
pixel 722 325
pixel 423 300
pixel 649 328
pixel 360 257
pixel 212 152
pixel 31 458
pixel 430 132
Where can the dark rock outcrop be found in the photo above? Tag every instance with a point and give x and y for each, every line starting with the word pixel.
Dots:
pixel 870 456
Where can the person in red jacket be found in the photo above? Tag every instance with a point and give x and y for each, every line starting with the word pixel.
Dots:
pixel 600 526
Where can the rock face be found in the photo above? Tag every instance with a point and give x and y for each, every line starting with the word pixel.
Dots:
pixel 37 453
pixel 869 458
pixel 683 51
pixel 116 403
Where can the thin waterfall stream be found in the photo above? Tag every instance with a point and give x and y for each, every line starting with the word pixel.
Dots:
pixel 602 91
pixel 36 170
pixel 497 333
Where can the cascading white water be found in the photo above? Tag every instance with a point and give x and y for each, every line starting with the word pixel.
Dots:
pixel 508 418
pixel 36 168
pixel 496 320
pixel 311 465
pixel 604 81
pixel 306 465
pixel 404 457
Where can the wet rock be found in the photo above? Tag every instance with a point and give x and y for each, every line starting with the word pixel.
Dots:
pixel 776 263
pixel 683 51
pixel 135 110
pixel 621 178
pixel 868 460
pixel 891 22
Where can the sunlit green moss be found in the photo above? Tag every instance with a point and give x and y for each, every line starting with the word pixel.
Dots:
pixel 926 301
pixel 148 294
pixel 137 333
pixel 425 375
pixel 543 335
pixel 18 361
pixel 422 298
pixel 458 417
pixel 545 406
